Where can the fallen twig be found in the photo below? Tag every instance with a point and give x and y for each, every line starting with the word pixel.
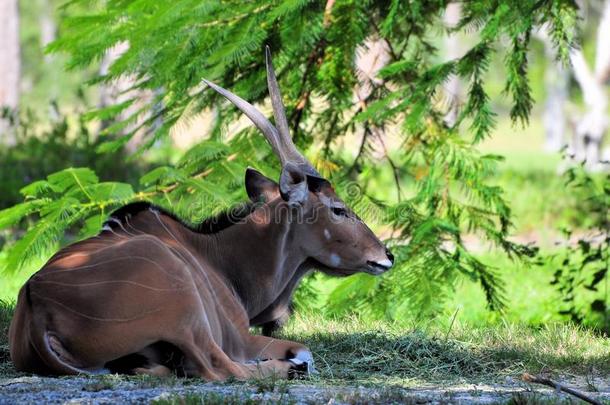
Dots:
pixel 558 386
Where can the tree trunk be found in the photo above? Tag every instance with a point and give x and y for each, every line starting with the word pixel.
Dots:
pixel 48 28
pixel 556 82
pixel 121 90
pixel 593 125
pixel 111 93
pixel 10 66
pixel 453 49
pixel 372 56
pixel 602 57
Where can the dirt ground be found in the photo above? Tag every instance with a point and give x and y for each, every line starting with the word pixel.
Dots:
pixel 111 390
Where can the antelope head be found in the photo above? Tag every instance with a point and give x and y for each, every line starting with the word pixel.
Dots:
pixel 327 231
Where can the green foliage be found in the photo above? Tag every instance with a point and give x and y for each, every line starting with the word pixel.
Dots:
pixel 60 204
pixel 440 179
pixel 63 200
pixel 45 146
pixel 75 198
pixel 583 271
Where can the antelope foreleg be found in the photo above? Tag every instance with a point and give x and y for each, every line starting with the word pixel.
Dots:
pixel 264 347
pixel 213 364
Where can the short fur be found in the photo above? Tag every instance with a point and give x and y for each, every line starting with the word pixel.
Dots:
pixel 210 225
pixel 153 295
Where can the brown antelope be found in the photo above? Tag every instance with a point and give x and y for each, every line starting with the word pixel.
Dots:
pixel 150 294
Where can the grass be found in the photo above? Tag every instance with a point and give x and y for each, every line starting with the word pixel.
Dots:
pixel 438 351
pixel 383 363
pixel 541 203
pixel 352 351
pixel 532 303
pixel 530 177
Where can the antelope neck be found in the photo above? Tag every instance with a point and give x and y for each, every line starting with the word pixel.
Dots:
pixel 259 260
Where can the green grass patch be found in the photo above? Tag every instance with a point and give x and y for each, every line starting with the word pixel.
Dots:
pixel 376 353
pixel 541 203
pixel 530 298
pixel 390 358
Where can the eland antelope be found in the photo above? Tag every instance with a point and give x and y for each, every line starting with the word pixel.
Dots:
pixel 152 295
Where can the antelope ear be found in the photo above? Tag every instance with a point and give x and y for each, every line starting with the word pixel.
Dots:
pixel 317 184
pixel 293 184
pixel 260 187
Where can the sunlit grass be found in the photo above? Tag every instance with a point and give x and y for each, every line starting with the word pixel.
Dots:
pixel 442 350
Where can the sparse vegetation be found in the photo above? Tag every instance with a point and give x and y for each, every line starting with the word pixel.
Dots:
pixel 271 384
pixel 6 313
pixel 389 360
pixel 101 383
pixel 216 398
pixel 353 352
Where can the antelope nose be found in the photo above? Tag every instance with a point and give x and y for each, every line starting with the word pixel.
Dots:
pixel 389 255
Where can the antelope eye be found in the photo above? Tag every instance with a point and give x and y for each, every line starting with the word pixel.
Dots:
pixel 342 212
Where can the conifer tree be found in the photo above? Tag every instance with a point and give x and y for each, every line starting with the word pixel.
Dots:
pixel 439 178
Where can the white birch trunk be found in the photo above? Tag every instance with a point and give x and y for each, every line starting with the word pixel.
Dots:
pixel 120 91
pixel 602 56
pixel 591 128
pixel 453 50
pixel 10 63
pixel 48 28
pixel 556 82
pixel 112 93
pixel 371 57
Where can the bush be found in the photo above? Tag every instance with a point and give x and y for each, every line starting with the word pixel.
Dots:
pixel 42 148
pixel 583 270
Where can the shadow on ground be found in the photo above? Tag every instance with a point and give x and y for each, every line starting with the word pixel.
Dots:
pixel 371 366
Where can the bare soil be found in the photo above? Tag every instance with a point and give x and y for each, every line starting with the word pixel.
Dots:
pixel 114 389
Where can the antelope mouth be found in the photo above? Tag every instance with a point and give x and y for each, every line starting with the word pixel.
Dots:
pixel 377 268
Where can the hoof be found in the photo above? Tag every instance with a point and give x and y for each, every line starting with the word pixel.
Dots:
pixel 303 364
pixel 298 369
